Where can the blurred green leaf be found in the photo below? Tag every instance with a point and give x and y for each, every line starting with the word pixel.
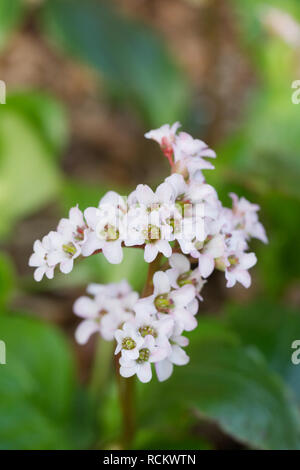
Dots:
pixel 97 269
pixel 133 268
pixel 85 195
pixel 11 12
pixel 131 58
pixel 39 403
pixel 263 153
pixel 28 177
pixel 271 328
pixel 7 280
pixel 233 387
pixel 279 261
pixel 46 114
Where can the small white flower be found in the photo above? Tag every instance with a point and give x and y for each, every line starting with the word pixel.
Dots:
pixel 172 303
pixel 191 153
pixel 147 323
pixel 129 341
pixel 153 227
pixel 64 250
pixel 105 233
pixel 110 307
pixel 39 259
pixel 180 273
pixel 213 248
pixel 237 271
pixel 141 366
pixel 246 218
pixel 75 226
pixel 165 136
pixel 100 314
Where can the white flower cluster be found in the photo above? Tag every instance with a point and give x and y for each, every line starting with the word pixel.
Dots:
pixel 183 220
pixel 104 309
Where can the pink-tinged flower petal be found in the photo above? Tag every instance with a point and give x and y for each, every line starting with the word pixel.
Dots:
pixel 158 353
pixel 38 247
pixel 65 228
pixel 166 326
pixel 127 371
pixel 260 233
pixel 161 283
pixel 193 306
pixel 144 372
pixel 188 320
pixel 131 354
pixel 173 276
pixel 50 273
pixel 55 239
pixel 231 280
pixel 34 260
pixel 165 193
pixel 76 216
pixel 184 295
pixel 243 277
pixel 111 198
pixel 164 370
pixel 164 248
pixel 150 252
pixel 180 262
pixel 85 307
pixel 145 305
pixel 125 362
pixel 179 356
pixel 54 258
pixel 181 341
pixel 66 266
pixel 91 215
pixel 145 195
pixel 208 153
pixel 178 184
pixel 113 252
pixel 206 265
pixel 91 244
pixel 215 247
pixel 85 330
pixel 247 261
pixel 39 273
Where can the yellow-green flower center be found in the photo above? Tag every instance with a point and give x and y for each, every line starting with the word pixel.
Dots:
pixel 184 279
pixel 143 356
pixel 69 249
pixel 147 330
pixel 163 303
pixel 128 343
pixel 152 233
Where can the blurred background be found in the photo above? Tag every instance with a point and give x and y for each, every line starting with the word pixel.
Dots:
pixel 85 80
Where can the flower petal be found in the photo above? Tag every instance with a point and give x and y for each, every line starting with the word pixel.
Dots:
pixel 161 283
pixel 164 369
pixel 85 330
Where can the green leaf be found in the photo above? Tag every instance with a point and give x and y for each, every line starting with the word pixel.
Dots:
pixel 11 12
pixel 46 114
pixel 29 178
pixel 231 386
pixel 85 195
pixel 39 404
pixel 271 328
pixel 131 58
pixel 7 280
